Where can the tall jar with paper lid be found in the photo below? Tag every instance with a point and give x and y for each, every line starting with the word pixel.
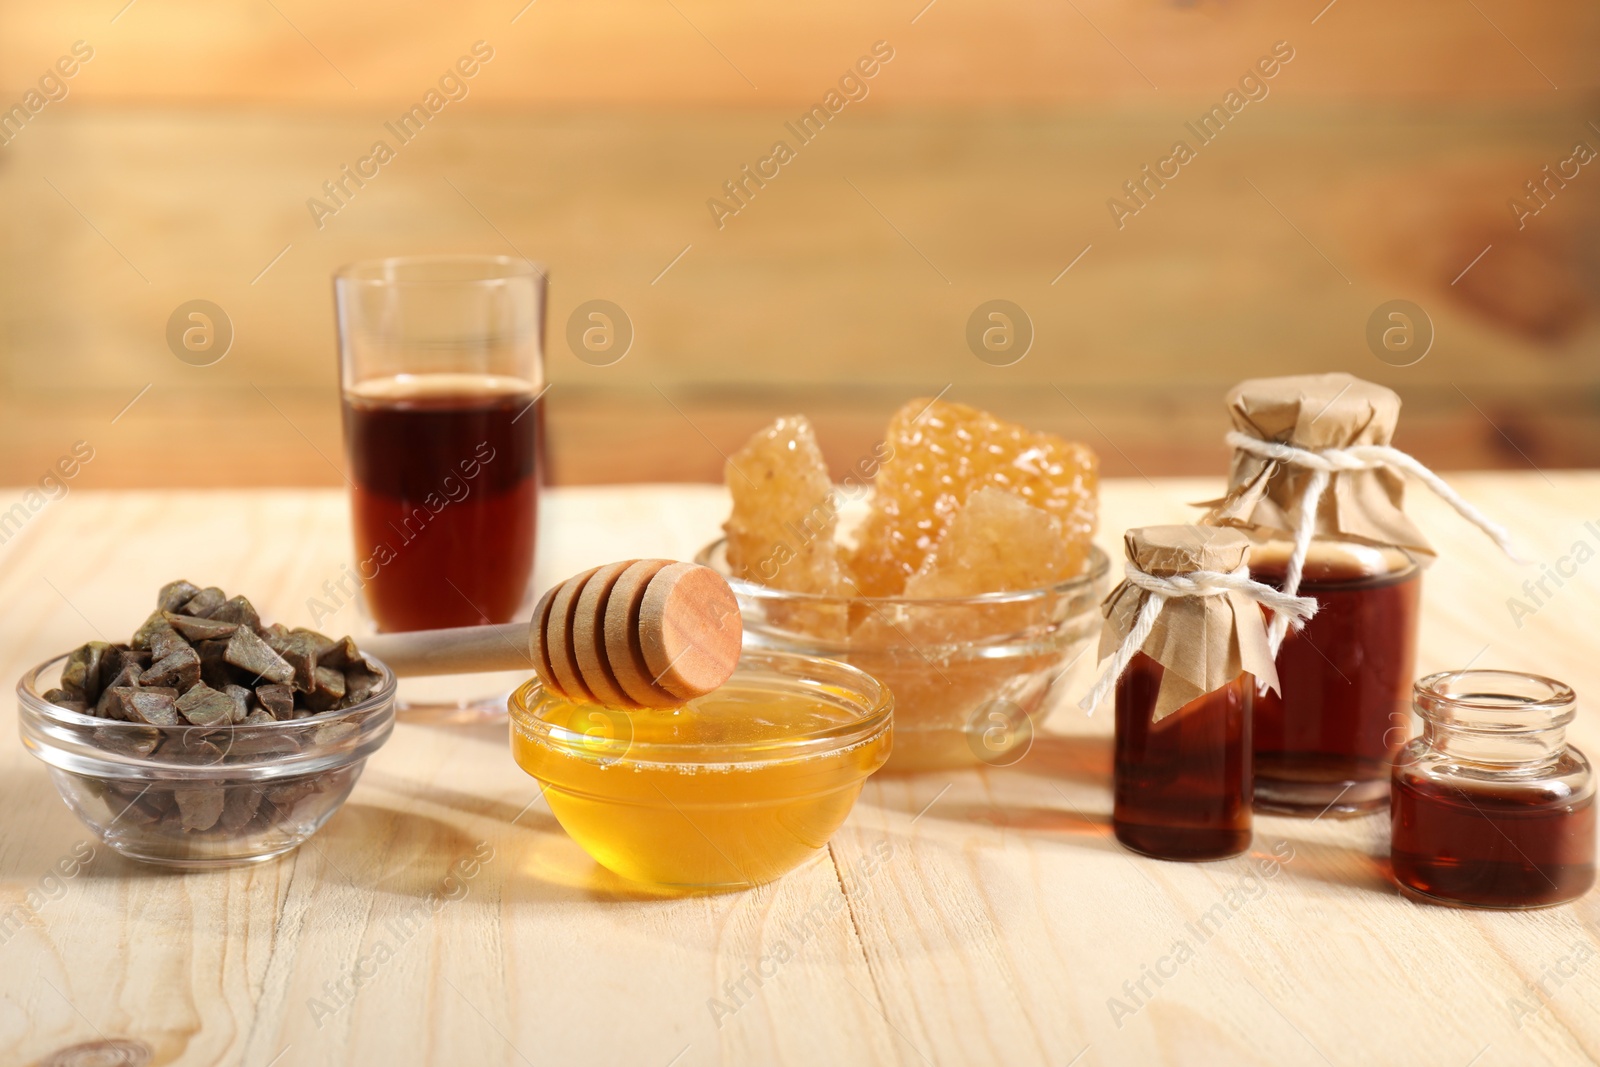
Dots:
pixel 1319 488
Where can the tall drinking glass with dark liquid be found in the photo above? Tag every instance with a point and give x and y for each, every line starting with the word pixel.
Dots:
pixel 444 497
pixel 441 363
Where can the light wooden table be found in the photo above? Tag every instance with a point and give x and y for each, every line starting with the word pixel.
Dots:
pixel 999 923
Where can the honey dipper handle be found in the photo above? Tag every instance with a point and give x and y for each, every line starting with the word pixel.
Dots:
pixel 462 650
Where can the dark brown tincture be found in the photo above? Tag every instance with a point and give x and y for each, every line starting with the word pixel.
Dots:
pixel 1492 845
pixel 1182 785
pixel 1327 738
pixel 445 496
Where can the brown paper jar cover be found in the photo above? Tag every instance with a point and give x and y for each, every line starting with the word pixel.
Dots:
pixel 1317 411
pixel 1204 642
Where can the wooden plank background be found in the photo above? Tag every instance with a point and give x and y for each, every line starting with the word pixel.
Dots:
pixel 1379 167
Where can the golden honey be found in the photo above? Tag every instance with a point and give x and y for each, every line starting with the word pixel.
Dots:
pixel 733 788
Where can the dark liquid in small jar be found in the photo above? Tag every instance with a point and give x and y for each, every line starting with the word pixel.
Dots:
pixel 445 499
pixel 1491 845
pixel 1182 785
pixel 1326 740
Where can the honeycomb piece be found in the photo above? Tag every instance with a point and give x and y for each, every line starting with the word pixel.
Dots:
pixel 942 452
pixel 781 532
pixel 996 543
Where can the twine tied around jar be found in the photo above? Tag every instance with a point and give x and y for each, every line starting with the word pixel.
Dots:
pixel 1158 589
pixel 1323 463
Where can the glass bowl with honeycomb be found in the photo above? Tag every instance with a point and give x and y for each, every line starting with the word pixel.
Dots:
pixel 954 564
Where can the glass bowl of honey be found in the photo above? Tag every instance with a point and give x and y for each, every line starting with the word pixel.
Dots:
pixel 192 796
pixel 972 676
pixel 731 789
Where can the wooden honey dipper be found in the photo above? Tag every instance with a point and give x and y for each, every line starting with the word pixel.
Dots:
pixel 640 633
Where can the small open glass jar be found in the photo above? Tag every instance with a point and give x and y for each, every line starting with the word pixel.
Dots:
pixel 1490 807
pixel 732 789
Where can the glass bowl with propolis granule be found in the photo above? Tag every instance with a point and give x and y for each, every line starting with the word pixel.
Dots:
pixel 731 789
pixel 955 565
pixel 230 750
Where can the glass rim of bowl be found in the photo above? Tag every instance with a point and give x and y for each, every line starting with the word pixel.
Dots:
pixel 59 736
pixel 714 555
pixel 381 270
pixel 867 693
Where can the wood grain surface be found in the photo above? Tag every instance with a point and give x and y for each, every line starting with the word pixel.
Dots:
pixel 981 917
pixel 980 166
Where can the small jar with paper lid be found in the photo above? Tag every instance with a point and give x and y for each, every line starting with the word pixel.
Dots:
pixel 1185 641
pixel 1320 490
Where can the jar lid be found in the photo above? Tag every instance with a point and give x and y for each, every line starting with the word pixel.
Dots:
pixel 1165 551
pixel 1317 411
pixel 1204 641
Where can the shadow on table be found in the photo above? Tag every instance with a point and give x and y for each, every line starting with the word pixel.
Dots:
pixel 541 863
pixel 553 869
pixel 1053 758
pixel 1083 829
pixel 1330 862
pixel 422 857
pixel 1009 798
pixel 548 854
pixel 535 862
pixel 529 813
pixel 430 863
pixel 1084 758
pixel 494 731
